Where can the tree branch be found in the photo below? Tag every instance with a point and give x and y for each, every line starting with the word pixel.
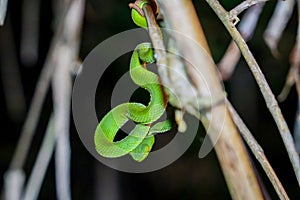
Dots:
pixel 180 15
pixel 66 54
pixel 158 44
pixel 263 85
pixel 258 153
pixel 243 6
pixel 36 178
pixel 3 10
pixel 246 27
pixel 277 24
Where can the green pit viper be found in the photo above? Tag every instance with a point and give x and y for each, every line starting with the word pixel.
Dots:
pixel 140 140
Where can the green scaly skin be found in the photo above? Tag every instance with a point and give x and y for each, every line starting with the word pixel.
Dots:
pixel 140 140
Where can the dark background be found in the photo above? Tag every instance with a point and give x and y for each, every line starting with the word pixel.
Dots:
pixel 189 177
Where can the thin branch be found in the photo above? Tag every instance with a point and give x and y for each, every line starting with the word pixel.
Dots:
pixel 243 6
pixel 62 98
pixel 263 85
pixel 291 79
pixel 31 120
pixel 295 54
pixel 277 24
pixel 62 87
pixel 296 50
pixel 37 101
pixel 39 96
pixel 246 27
pixel 172 72
pixel 62 106
pixel 295 60
pixel 297 127
pixel 32 117
pixel 36 178
pixel 258 153
pixel 3 10
pixel 181 17
pixel 13 184
pixel 157 42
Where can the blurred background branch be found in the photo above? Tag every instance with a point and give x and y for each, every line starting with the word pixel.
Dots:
pixel 3 8
pixel 29 48
pixel 61 57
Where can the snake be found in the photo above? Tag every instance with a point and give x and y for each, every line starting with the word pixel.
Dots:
pixel 139 142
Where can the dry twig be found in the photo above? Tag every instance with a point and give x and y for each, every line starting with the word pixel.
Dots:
pixel 37 175
pixel 180 15
pixel 246 27
pixel 295 60
pixel 65 55
pixel 263 85
pixel 157 42
pixel 243 6
pixel 293 78
pixel 3 9
pixel 258 153
pixel 277 24
pixel 66 37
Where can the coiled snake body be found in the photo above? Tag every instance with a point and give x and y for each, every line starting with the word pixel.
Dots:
pixel 140 140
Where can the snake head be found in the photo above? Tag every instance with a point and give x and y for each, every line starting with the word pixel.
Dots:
pixel 145 52
pixel 137 13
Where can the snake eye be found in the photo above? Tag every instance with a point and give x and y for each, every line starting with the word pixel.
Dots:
pixel 143 148
pixel 146 148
